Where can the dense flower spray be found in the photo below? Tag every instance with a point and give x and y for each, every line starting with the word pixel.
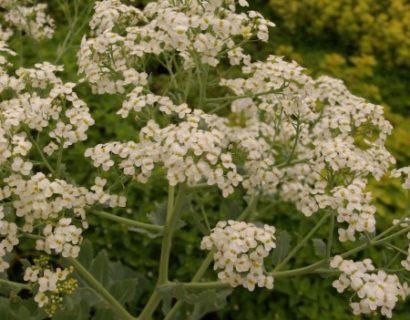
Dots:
pixel 259 128
pixel 240 250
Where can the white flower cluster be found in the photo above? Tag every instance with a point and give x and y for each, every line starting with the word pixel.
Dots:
pixel 375 290
pixel 198 31
pixel 405 223
pixel 136 101
pixel 36 101
pixel 40 200
pixel 309 140
pixel 4 53
pixel 189 151
pixel 323 122
pixel 52 285
pixel 42 102
pixel 64 239
pixel 353 207
pixel 405 173
pixel 327 165
pixel 240 250
pixel 32 20
pixel 9 239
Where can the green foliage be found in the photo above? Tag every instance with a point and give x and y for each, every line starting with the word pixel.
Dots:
pixel 15 308
pixel 366 43
pixel 122 282
pixel 379 28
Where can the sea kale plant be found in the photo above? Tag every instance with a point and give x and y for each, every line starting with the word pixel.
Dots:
pixel 208 116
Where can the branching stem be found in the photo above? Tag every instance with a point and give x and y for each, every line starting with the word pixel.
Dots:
pixel 100 290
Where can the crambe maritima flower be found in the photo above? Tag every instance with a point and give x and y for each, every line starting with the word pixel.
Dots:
pixel 240 250
pixel 374 289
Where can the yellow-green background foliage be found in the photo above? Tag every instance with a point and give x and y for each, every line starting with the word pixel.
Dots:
pixel 375 27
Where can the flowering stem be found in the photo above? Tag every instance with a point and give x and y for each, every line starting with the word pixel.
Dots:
pixel 198 275
pixel 233 98
pixel 301 243
pixel 199 285
pixel 129 222
pixel 291 163
pixel 249 209
pixel 98 288
pixel 174 206
pixel 397 225
pixel 209 258
pixel 295 143
pixel 314 266
pixel 45 161
pixel 151 305
pixel 16 285
pixel 330 236
pixel 168 233
pixel 390 246
pixel 59 159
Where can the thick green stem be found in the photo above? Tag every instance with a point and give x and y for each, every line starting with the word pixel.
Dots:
pixel 129 222
pixel 295 143
pixel 15 285
pixel 199 285
pixel 151 305
pixel 301 243
pixel 331 235
pixel 198 275
pixel 174 206
pixel 250 208
pixel 43 158
pixel 100 290
pixel 171 218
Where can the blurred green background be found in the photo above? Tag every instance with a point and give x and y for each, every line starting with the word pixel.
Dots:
pixel 366 43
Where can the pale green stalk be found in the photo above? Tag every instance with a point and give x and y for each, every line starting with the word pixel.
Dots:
pixel 302 243
pixel 129 222
pixel 174 206
pixel 331 235
pixel 15 285
pixel 376 241
pixel 43 157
